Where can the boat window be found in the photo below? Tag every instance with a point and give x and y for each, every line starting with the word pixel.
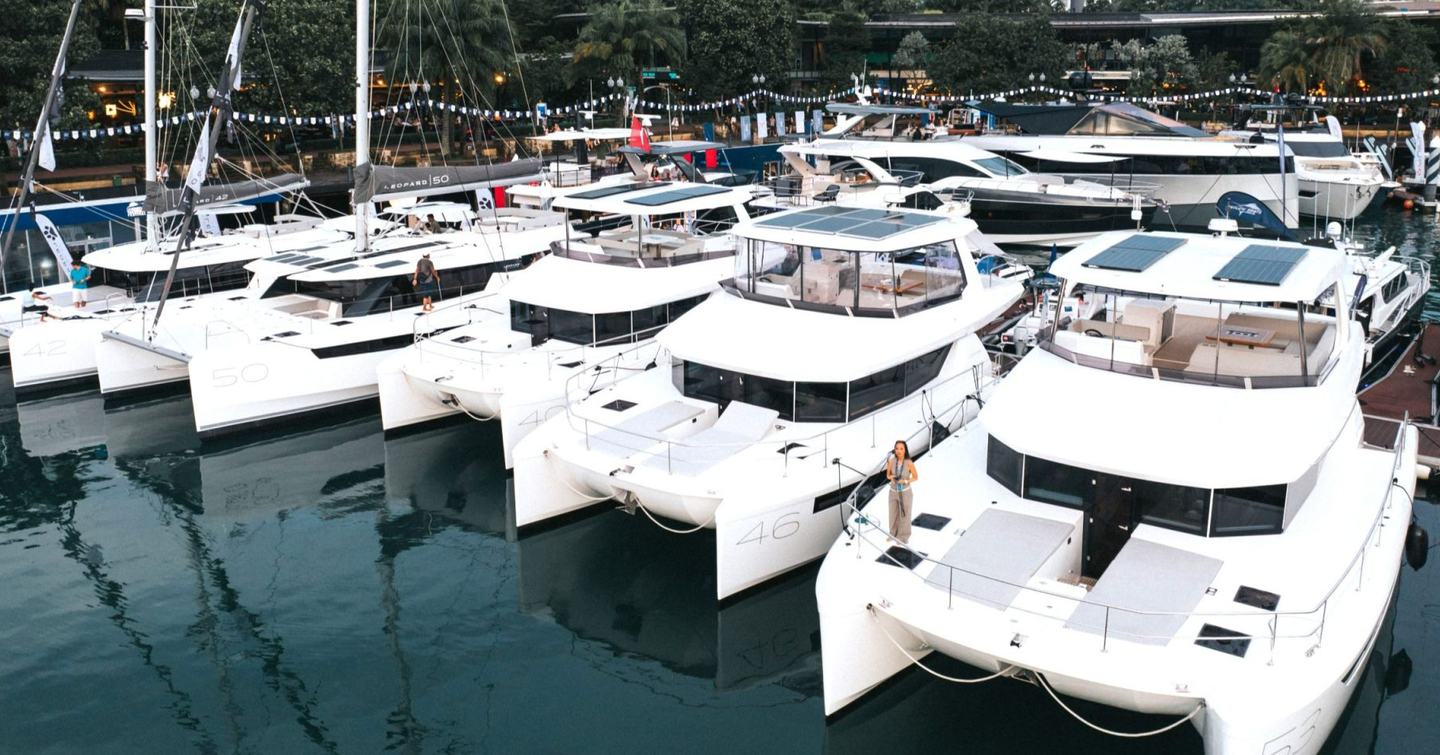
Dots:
pixel 525 318
pixel 1317 149
pixel 648 319
pixel 902 282
pixel 1004 465
pixel 876 390
pixel 1249 511
pixel 612 327
pixel 1393 287
pixel 769 393
pixel 1176 507
pixel 1002 167
pixel 572 327
pixel 188 281
pixel 677 308
pixel 924 368
pixel 820 402
pixel 1061 484
pixel 933 169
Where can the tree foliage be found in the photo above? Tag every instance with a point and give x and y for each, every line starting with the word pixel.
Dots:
pixel 624 35
pixel 1162 64
pixel 733 40
pixel 1334 46
pixel 844 46
pixel 996 52
pixel 913 52
pixel 29 39
pixel 1408 63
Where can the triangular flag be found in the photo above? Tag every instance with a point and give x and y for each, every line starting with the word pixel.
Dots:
pixel 639 137
pixel 47 148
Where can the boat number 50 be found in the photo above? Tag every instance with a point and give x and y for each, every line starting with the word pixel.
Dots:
pixel 784 526
pixel 225 377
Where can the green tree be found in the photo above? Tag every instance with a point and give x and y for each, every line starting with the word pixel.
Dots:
pixel 844 46
pixel 1340 37
pixel 1215 69
pixel 913 54
pixel 626 34
pixel 1164 63
pixel 733 40
pixel 1408 62
pixel 990 52
pixel 1285 61
pixel 29 40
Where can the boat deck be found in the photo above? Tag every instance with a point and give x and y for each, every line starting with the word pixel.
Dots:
pixel 1406 390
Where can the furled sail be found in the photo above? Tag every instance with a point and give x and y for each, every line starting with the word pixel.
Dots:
pixel 165 201
pixel 375 183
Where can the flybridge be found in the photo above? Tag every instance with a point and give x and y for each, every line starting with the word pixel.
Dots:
pixel 1258 264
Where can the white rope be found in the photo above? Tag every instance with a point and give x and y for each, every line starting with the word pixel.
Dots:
pixel 466 412
pixel 1130 735
pixel 1002 672
pixel 672 529
pixel 586 496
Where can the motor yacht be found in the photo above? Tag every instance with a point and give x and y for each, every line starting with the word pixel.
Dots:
pixel 642 255
pixel 52 341
pixel 842 330
pixel 1190 524
pixel 1333 183
pixel 1011 205
pixel 1184 168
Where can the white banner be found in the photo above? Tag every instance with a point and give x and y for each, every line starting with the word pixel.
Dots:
pixel 201 162
pixel 1417 151
pixel 762 126
pixel 209 224
pixel 799 121
pixel 57 244
pixel 47 149
pixel 233 55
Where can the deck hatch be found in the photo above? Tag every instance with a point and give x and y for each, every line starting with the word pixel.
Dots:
pixel 1261 599
pixel 1135 254
pixel 609 191
pixel 931 521
pixel 1227 641
pixel 618 405
pixel 677 195
pixel 899 555
pixel 1261 264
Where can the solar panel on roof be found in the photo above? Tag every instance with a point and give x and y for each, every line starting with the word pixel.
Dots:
pixel 391 263
pixel 609 191
pixel 876 230
pixel 1135 254
pixel 343 268
pixel 1262 264
pixel 676 195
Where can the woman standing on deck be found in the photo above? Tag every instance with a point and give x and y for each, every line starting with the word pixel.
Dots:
pixel 900 471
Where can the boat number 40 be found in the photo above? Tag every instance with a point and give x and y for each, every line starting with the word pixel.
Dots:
pixel 784 526
pixel 225 377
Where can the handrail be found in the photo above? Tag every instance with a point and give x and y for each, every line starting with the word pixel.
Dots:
pixel 1377 524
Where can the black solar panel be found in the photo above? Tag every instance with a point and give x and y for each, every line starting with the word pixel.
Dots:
pixel 1135 254
pixel 869 223
pixel 676 195
pixel 391 263
pixel 343 268
pixel 1258 263
pixel 609 191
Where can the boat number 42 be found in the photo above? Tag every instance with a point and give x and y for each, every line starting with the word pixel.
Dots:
pixel 224 377
pixel 784 526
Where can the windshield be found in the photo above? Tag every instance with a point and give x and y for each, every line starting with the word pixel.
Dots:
pixel 1317 149
pixel 1000 166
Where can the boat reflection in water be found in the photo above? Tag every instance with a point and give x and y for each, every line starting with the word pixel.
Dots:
pixel 623 582
pixel 455 472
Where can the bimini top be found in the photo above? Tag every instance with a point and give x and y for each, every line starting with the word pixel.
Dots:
pixel 857 229
pixel 1197 266
pixel 652 198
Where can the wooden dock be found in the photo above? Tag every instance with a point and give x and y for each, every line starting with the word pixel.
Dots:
pixel 1408 389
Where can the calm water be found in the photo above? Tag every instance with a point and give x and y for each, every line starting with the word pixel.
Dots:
pixel 329 590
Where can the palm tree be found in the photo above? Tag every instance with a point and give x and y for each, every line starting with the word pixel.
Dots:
pixel 622 35
pixel 1285 60
pixel 1340 36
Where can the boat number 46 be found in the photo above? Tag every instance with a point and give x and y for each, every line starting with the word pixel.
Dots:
pixel 782 527
pixel 224 377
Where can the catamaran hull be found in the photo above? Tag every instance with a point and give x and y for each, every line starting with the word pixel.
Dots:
pixel 235 389
pixel 125 367
pixel 57 353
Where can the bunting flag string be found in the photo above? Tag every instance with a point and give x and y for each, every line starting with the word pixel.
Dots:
pixel 173 120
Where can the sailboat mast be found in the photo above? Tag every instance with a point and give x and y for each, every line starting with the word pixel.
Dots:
pixel 41 133
pixel 152 156
pixel 362 112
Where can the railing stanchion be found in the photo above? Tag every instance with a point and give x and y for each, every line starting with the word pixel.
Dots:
pixel 1105 635
pixel 950 590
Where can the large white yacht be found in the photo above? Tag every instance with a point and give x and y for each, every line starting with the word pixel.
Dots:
pixel 842 330
pixel 1012 205
pixel 654 251
pixel 52 342
pixel 1333 183
pixel 309 331
pixel 1190 523
pixel 1188 169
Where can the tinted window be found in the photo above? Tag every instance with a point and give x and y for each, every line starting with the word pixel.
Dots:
pixel 525 318
pixel 1317 149
pixel 875 391
pixel 923 369
pixel 819 402
pixel 1062 484
pixel 572 327
pixel 1249 511
pixel 1175 507
pixel 769 393
pixel 678 308
pixel 612 327
pixel 1003 464
pixel 644 320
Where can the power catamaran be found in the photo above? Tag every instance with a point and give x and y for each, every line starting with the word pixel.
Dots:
pixel 841 330
pixel 1010 204
pixel 656 249
pixel 1159 548
pixel 1182 167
